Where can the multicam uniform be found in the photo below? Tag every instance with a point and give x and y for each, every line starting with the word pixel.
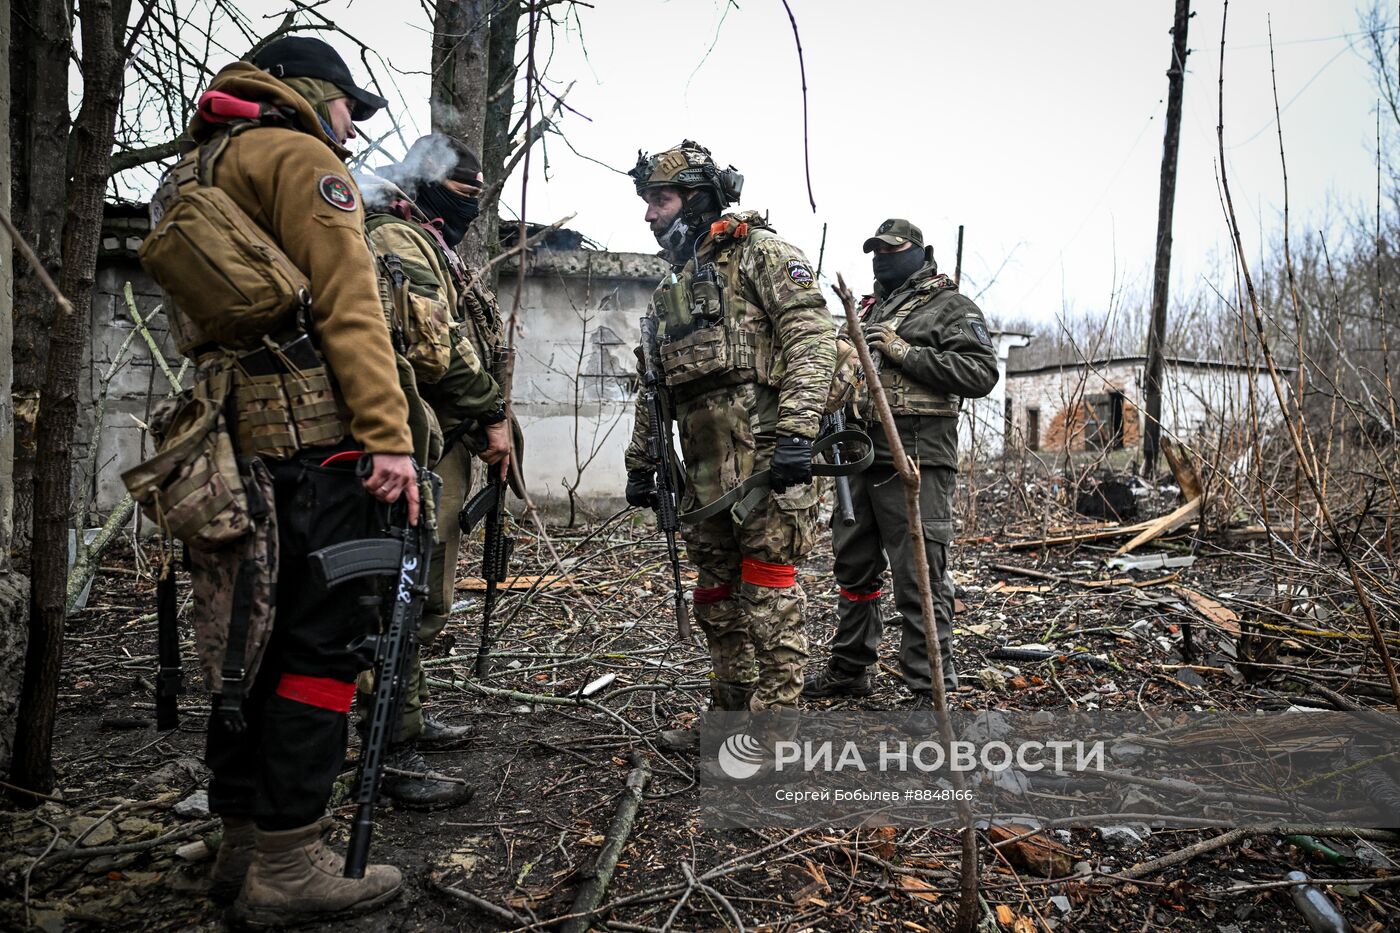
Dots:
pixel 742 369
pixel 444 326
pixel 950 357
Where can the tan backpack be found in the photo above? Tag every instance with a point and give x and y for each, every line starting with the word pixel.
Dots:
pixel 228 281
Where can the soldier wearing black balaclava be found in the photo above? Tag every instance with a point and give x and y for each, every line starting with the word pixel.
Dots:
pixel 447 328
pixel 933 350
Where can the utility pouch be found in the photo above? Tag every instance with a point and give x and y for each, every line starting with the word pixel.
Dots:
pixel 192 487
pixel 424 323
pixel 285 400
pixel 709 352
pixel 220 270
pixel 673 302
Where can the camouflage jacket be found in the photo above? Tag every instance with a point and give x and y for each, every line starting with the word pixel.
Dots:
pixel 467 390
pixel 950 356
pixel 772 292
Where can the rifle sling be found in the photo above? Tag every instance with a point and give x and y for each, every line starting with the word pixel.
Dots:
pixel 743 498
pixel 233 688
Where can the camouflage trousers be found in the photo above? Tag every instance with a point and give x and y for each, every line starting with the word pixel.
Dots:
pixel 748 602
pixel 455 470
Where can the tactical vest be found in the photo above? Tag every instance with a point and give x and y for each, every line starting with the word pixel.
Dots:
pixel 908 396
pixel 712 336
pixel 421 328
pixel 238 305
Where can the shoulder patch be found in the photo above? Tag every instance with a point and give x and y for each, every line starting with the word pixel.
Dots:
pixel 979 330
pixel 800 273
pixel 337 192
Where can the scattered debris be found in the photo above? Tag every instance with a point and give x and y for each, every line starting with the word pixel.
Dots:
pixel 1150 561
pixel 1316 907
pixel 1025 847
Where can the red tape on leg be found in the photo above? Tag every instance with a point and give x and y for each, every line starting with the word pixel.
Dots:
pixel 706 595
pixel 772 576
pixel 321 692
pixel 857 597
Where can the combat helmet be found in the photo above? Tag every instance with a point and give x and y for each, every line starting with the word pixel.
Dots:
pixel 687 165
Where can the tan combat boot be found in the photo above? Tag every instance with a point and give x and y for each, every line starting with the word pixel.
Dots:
pixel 232 861
pixel 296 878
pixel 725 696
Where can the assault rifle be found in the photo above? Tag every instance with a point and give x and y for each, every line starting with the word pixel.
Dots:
pixel 667 504
pixel 489 504
pixel 405 555
pixel 835 423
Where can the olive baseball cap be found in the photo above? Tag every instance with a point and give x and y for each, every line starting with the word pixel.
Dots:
pixel 309 57
pixel 895 232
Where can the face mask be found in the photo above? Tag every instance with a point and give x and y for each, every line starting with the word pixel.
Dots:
pixel 676 240
pixel 891 269
pixel 456 211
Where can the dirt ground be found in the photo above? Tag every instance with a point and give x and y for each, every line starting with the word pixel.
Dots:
pixel 549 768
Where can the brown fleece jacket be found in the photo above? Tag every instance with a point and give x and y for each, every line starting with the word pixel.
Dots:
pixel 294 184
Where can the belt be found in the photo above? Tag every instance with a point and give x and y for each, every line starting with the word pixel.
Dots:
pixel 743 498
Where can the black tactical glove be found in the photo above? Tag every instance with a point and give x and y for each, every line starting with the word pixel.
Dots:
pixel 792 463
pixel 641 488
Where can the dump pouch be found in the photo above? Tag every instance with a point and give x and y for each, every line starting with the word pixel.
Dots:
pixel 192 488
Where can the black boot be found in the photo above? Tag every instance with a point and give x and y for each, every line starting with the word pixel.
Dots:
pixel 437 734
pixel 419 788
pixel 836 682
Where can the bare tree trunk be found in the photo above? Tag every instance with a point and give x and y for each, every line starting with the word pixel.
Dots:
pixel 94 129
pixel 1161 273
pixel 14 588
pixel 461 52
pixel 500 80
pixel 40 42
pixel 7 312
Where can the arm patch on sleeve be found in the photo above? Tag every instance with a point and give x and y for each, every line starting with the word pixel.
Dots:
pixel 337 192
pixel 800 273
pixel 979 330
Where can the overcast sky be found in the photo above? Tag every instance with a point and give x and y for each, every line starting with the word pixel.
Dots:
pixel 1036 123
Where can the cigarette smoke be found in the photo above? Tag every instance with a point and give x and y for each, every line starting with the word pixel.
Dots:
pixel 427 162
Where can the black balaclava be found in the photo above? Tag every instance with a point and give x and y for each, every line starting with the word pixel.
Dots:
pixel 892 269
pixel 455 210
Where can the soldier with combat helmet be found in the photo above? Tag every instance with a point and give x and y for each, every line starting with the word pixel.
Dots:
pixel 748 351
pixel 933 349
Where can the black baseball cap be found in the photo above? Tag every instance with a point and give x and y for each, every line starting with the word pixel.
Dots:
pixel 309 57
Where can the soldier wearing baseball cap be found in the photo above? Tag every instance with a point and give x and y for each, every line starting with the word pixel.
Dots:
pixel 895 232
pixel 309 57
pixel 272 147
pixel 933 349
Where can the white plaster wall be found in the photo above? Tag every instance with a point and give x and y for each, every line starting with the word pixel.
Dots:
pixel 982 429
pixel 1195 399
pixel 575 370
